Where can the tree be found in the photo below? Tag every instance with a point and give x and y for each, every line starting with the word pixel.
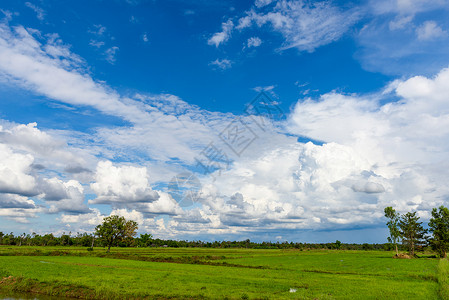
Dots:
pixel 144 240
pixel 393 226
pixel 115 229
pixel 439 226
pixel 411 231
pixel 337 244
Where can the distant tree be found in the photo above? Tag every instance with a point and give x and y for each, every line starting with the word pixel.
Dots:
pixel 393 226
pixel 412 232
pixel 144 240
pixel 439 226
pixel 115 229
pixel 337 244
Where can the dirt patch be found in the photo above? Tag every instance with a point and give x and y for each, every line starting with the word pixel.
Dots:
pixel 8 280
pixel 402 256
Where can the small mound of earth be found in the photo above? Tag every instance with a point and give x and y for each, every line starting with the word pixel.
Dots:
pixel 402 256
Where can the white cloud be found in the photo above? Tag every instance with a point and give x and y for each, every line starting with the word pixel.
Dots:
pixel 15 171
pixel 400 22
pixel 223 36
pixel 24 60
pixel 376 154
pixel 305 26
pixel 40 13
pixel 125 184
pixel 222 64
pixel 47 150
pixel 98 30
pixel 110 54
pixel 388 40
pixel 405 7
pixel 85 222
pixel 96 44
pixel 64 196
pixel 430 30
pixel 145 38
pixel 262 3
pixel 254 42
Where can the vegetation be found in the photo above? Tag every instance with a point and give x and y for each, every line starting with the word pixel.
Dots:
pixel 393 226
pixel 226 269
pixel 412 232
pixel 439 226
pixel 115 229
pixel 218 273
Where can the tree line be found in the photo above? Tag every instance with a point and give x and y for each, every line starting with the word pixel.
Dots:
pixel 407 228
pixel 147 240
pixel 406 233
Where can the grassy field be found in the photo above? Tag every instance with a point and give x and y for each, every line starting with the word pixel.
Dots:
pixel 221 273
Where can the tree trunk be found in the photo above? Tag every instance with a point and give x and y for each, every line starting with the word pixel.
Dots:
pixel 397 253
pixel 109 248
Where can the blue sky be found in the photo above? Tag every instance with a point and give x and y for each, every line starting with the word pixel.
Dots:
pixel 268 120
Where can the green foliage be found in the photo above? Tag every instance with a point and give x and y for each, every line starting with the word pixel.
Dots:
pixel 393 226
pixel 439 227
pixel 412 231
pixel 145 240
pixel 115 229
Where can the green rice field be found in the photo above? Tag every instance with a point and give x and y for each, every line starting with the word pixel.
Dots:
pixel 199 273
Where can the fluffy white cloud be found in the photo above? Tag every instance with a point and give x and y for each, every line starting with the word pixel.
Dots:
pixel 430 30
pixel 124 184
pixel 64 196
pixel 15 169
pixel 223 36
pixel 18 208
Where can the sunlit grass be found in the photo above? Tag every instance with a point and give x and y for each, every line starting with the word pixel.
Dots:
pixel 229 273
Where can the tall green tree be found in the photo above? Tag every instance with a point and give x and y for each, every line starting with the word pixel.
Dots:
pixel 439 227
pixel 412 231
pixel 115 229
pixel 393 226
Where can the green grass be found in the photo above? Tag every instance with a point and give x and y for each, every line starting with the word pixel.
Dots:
pixel 224 273
pixel 443 278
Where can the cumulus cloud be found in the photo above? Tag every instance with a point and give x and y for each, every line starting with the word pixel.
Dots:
pixel 222 36
pixel 18 208
pixel 15 171
pixel 373 154
pixel 124 184
pixel 64 196
pixel 48 150
pixel 16 201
